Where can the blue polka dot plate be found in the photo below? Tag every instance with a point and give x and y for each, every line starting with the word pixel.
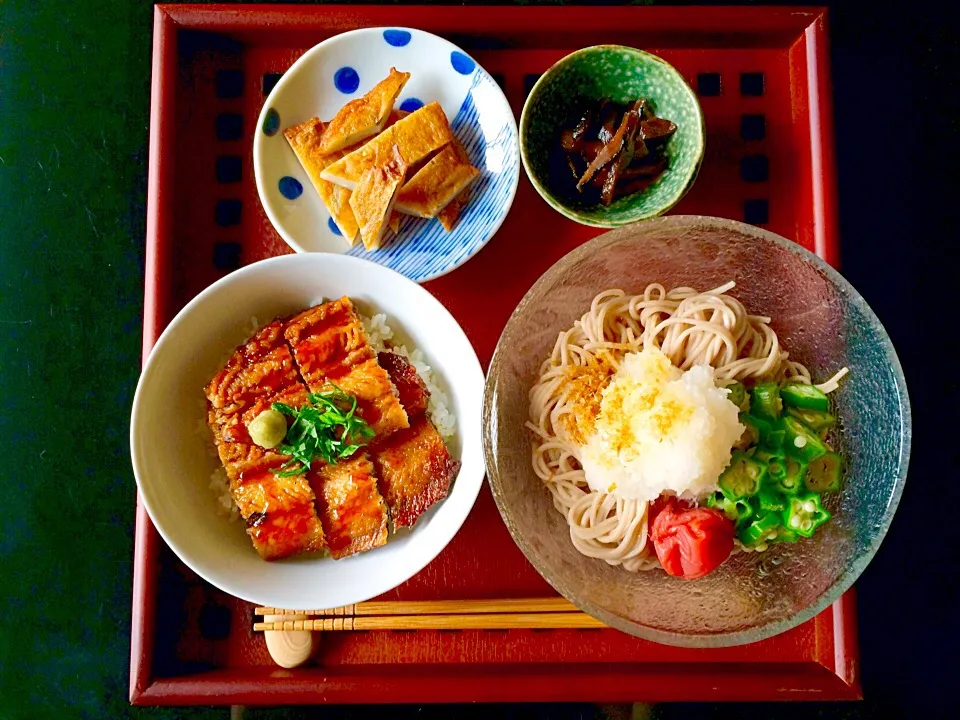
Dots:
pixel 345 67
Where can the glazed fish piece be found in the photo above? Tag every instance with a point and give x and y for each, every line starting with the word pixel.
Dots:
pixel 258 369
pixel 411 390
pixel 415 470
pixel 280 512
pixel 352 511
pixel 330 346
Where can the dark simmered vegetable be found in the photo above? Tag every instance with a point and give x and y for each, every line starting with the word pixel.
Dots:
pixel 609 152
pixel 572 140
pixel 656 129
pixel 613 150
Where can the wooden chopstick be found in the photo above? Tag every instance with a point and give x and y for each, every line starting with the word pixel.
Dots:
pixel 436 607
pixel 482 621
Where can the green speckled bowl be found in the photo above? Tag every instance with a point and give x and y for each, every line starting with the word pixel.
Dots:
pixel 623 74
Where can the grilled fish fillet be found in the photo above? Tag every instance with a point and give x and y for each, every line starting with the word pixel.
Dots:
pixel 416 136
pixel 352 510
pixel 305 140
pixel 365 116
pixel 411 390
pixel 280 512
pixel 258 369
pixel 415 471
pixel 436 184
pixel 330 346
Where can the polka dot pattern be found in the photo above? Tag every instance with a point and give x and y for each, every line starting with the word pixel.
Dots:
pixel 290 187
pixel 346 80
pixel 461 63
pixel 397 38
pixel 411 104
pixel 271 122
pixel 333 227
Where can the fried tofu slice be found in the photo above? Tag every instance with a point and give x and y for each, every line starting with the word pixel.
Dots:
pixel 364 117
pixel 415 136
pixel 373 199
pixel 280 512
pixel 436 184
pixel 415 471
pixel 330 346
pixel 450 214
pixel 395 116
pixel 394 222
pixel 411 390
pixel 337 200
pixel 352 510
pixel 305 140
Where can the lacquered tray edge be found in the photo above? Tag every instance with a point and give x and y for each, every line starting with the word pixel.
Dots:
pixel 159 206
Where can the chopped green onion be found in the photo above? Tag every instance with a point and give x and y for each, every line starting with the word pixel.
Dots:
pixel 327 428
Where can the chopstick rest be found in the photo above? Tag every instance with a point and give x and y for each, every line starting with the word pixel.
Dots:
pixel 289 648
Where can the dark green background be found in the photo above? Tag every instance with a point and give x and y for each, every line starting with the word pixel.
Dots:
pixel 74 100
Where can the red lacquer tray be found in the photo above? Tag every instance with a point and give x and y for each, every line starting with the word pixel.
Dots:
pixel 763 78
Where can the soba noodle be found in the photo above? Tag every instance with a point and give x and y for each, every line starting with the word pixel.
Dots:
pixel 690 328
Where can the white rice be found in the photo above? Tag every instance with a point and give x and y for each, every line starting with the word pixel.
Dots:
pixel 380 335
pixel 220 484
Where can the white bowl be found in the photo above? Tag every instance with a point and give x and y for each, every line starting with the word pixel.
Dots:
pixel 479 114
pixel 173 454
